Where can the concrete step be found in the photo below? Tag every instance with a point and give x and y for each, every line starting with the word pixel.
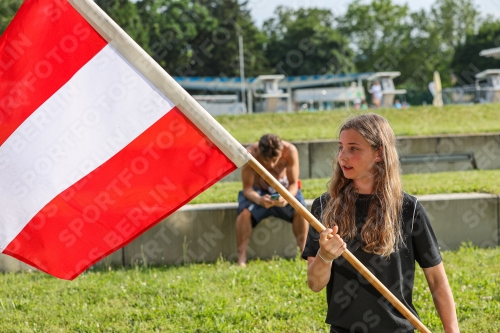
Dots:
pixel 205 233
pixel 316 157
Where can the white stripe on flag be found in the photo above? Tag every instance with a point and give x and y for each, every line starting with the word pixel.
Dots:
pixel 150 69
pixel 78 129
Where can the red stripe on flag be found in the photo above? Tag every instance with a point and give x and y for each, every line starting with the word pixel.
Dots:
pixel 157 173
pixel 46 43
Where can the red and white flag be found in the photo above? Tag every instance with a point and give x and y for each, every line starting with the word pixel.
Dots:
pixel 97 142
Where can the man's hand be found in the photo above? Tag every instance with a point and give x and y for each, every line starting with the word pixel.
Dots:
pixel 280 202
pixel 266 202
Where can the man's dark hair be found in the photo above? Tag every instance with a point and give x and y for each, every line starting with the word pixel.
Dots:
pixel 270 146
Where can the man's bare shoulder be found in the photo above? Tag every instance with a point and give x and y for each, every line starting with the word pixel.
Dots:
pixel 253 149
pixel 290 152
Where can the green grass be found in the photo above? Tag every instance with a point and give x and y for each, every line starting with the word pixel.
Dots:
pixel 479 181
pixel 268 296
pixel 483 181
pixel 422 120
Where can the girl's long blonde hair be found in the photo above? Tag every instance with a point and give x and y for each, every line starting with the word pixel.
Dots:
pixel 382 232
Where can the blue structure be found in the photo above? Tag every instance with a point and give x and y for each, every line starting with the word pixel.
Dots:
pixel 293 82
pixel 273 99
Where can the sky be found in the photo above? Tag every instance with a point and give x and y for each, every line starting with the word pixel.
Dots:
pixel 264 9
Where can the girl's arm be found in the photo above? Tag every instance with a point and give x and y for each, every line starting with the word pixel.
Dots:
pixel 442 297
pixel 319 267
pixel 318 273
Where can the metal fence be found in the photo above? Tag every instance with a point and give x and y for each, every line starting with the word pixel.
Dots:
pixel 468 94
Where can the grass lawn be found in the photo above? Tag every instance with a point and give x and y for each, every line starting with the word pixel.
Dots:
pixel 486 181
pixel 421 120
pixel 268 296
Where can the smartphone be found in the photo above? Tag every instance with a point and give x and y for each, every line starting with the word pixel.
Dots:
pixel 275 196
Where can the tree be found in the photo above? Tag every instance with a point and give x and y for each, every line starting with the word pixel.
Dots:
pixel 376 30
pixel 304 42
pixel 387 37
pixel 218 47
pixel 454 19
pixel 451 22
pixel 390 38
pixel 419 52
pixel 200 38
pixel 126 15
pixel 8 9
pixel 374 24
pixel 171 26
pixel 467 62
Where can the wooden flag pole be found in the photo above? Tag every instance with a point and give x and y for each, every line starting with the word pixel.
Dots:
pixel 254 164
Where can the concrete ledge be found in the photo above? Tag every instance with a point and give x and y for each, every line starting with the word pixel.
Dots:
pixel 10 264
pixel 458 218
pixel 204 233
pixel 316 157
pixel 207 232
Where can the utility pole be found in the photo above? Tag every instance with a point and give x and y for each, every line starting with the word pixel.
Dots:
pixel 242 71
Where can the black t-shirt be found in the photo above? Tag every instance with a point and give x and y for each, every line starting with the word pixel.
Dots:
pixel 354 305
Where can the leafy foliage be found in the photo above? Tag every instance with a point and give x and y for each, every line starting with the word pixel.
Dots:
pixel 304 42
pixel 172 26
pixel 200 38
pixel 219 47
pixel 455 19
pixel 467 62
pixel 7 10
pixel 389 37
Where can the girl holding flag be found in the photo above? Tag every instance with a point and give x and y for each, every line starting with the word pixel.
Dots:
pixel 388 230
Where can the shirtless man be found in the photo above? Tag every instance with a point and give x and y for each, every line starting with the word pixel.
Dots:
pixel 255 203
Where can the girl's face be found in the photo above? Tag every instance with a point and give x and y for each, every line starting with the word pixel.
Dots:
pixel 357 159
